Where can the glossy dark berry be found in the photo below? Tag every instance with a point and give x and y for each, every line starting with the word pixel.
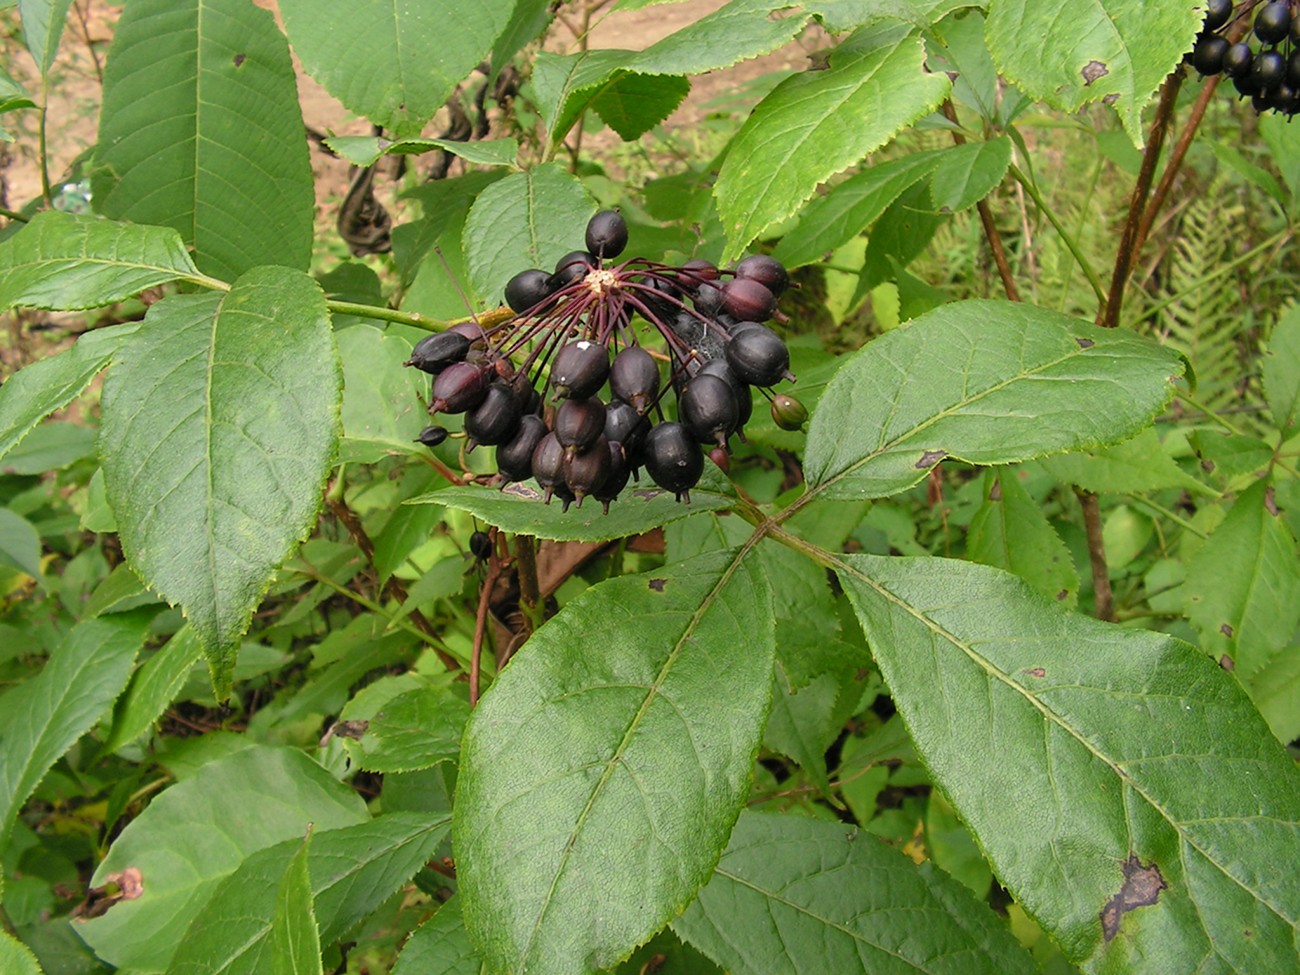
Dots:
pixel 515 456
pixel 578 422
pixel 1268 70
pixel 434 353
pixel 572 267
pixel 696 272
pixel 548 464
pixel 527 288
pixel 460 387
pixel 432 436
pixel 745 298
pixel 1207 56
pixel 1285 98
pixel 1217 14
pixel 580 369
pixel 471 330
pixel 634 377
pixel 623 424
pixel 586 472
pixel 767 271
pixel 1237 59
pixel 788 413
pixel 758 356
pixel 708 298
pixel 673 459
pixel 1272 22
pixel 496 419
pixel 1245 84
pixel 619 471
pixel 607 234
pixel 708 409
pixel 1293 68
pixel 744 395
pixel 480 546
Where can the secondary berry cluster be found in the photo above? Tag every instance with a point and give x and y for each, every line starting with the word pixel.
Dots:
pixel 569 395
pixel 1268 73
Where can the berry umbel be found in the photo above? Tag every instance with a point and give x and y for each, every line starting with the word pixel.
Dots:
pixel 570 394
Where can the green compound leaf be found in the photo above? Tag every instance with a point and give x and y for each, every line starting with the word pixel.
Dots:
pixel 968 173
pixel 415 730
pixel 842 15
pixel 989 382
pixel 35 392
pixel 365 150
pixel 526 220
pixel 43 22
pixel 1243 586
pixel 818 123
pixel 201 131
pixel 1074 52
pixel 220 420
pixel 1281 368
pixel 382 399
pixel 198 832
pixel 441 944
pixel 294 940
pixel 519 509
pixel 1136 465
pixel 153 686
pixel 1122 786
pixel 67 262
pixel 602 772
pixel 812 896
pixel 353 869
pixel 43 717
pixel 396 63
pixel 634 103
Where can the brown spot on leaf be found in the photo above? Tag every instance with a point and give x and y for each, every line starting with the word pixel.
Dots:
pixel 1036 672
pixel 657 584
pixel 1207 466
pixel 345 729
pixel 1085 343
pixel 995 493
pixel 124 885
pixel 240 59
pixel 1142 887
pixel 1063 595
pixel 929 459
pixel 1110 99
pixel 1092 71
pixel 1226 630
pixel 1227 663
pixel 1270 501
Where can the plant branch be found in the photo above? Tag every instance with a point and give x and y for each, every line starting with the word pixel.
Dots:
pixel 392 587
pixel 1108 315
pixel 530 594
pixel 986 217
pixel 1103 598
pixel 1071 244
pixel 480 624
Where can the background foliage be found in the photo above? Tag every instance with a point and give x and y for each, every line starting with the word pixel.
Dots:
pixel 994 668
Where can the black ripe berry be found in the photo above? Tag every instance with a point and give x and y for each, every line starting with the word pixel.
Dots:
pixel 673 459
pixel 460 387
pixel 1272 22
pixel 435 353
pixel 607 234
pixel 758 356
pixel 572 267
pixel 586 472
pixel 634 377
pixel 515 456
pixel 1207 56
pixel 432 436
pixel 580 369
pixel 528 288
pixel 548 464
pixel 1237 59
pixel 745 298
pixel 619 469
pixel 744 397
pixel 767 271
pixel 1268 70
pixel 1217 13
pixel 495 420
pixel 480 546
pixel 623 424
pixel 708 409
pixel 578 422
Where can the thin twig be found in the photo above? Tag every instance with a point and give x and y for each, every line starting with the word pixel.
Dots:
pixel 530 596
pixel 1108 315
pixel 986 216
pixel 1103 599
pixel 82 10
pixel 480 625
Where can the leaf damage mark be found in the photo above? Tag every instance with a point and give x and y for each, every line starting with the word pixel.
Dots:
pixel 1035 672
pixel 1142 887
pixel 345 729
pixel 930 458
pixel 123 885
pixel 1270 501
pixel 658 585
pixel 1092 71
pixel 995 492
pixel 240 59
pixel 1227 663
pixel 1226 630
pixel 1085 343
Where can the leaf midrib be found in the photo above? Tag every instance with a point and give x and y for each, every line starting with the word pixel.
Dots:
pixel 996 674
pixel 616 758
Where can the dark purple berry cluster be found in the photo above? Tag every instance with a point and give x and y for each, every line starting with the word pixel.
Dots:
pixel 1268 73
pixel 569 394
